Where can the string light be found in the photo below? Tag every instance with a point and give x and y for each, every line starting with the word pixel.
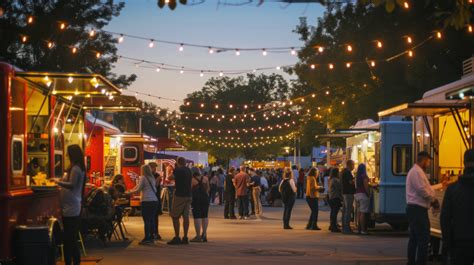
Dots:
pixel 379 44
pixel 211 50
pixel 293 52
pixel 151 44
pixel 410 53
pixel 201 75
pixel 74 50
pixel 221 74
pixel 158 69
pixel 181 48
pixel 320 49
pixel 62 26
pixel 30 19
pixel 331 66
pixel 313 66
pixel 92 33
pixel 181 71
pixel 97 55
pixel 469 28
pixel 439 35
pixel 349 48
pixel 409 40
pixel 348 65
pixel 406 5
pixel 50 45
pixel 24 39
pixel 278 68
pixel 372 63
pixel 264 52
pixel 237 52
pixel 120 39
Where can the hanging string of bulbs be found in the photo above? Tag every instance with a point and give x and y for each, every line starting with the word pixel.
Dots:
pixel 267 128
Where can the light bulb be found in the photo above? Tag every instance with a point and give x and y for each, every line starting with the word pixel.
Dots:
pixel 30 19
pixel 410 53
pixel 349 48
pixel 237 52
pixel 97 55
pixel 331 66
pixel 181 48
pixel 372 63
pixel 293 52
pixel 50 45
pixel 379 44
pixel 92 33
pixel 151 44
pixel 406 5
pixel 409 40
pixel 181 71
pixel 120 39
pixel 264 52
pixel 469 29
pixel 439 35
pixel 348 65
pixel 221 74
pixel 70 79
pixel 278 67
pixel 24 39
pixel 211 50
pixel 320 49
pixel 158 69
pixel 74 49
pixel 62 26
pixel 313 66
pixel 201 74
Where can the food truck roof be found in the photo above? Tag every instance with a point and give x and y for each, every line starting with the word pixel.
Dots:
pixel 136 137
pixel 91 91
pixel 423 109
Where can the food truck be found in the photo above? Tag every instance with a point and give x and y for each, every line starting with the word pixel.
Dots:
pixel 443 127
pixel 385 148
pixel 41 114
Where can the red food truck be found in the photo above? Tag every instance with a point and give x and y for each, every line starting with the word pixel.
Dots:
pixel 41 114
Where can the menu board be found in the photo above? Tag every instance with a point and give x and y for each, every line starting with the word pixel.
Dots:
pixel 110 163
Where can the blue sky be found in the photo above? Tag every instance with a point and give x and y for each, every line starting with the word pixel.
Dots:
pixel 246 26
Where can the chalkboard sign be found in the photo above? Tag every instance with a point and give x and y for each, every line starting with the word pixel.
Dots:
pixel 110 166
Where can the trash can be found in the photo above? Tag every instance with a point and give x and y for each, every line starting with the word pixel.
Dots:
pixel 32 245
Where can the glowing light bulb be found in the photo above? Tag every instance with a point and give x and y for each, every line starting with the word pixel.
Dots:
pixel 158 69
pixel 62 26
pixel 92 33
pixel 331 66
pixel 151 44
pixel 313 66
pixel 406 5
pixel 97 55
pixel 348 65
pixel 30 19
pixel 120 39
pixel 410 53
pixel 372 63
pixel 264 52
pixel 379 44
pixel 313 95
pixel 202 105
pixel 320 49
pixel 211 50
pixel 24 39
pixel 221 74
pixel 181 71
pixel 74 49
pixel 469 29
pixel 237 52
pixel 278 67
pixel 231 106
pixel 349 48
pixel 216 106
pixel 76 92
pixel 439 35
pixel 409 39
pixel 293 52
pixel 327 92
pixel 201 74
pixel 70 79
pixel 181 48
pixel 50 45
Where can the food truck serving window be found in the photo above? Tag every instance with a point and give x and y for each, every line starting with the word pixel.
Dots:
pixel 401 159
pixel 17 119
pixel 130 154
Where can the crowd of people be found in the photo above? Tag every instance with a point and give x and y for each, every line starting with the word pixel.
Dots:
pixel 249 189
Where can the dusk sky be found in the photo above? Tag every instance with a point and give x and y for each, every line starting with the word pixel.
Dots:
pixel 249 26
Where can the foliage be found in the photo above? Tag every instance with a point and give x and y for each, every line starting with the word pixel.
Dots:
pixel 360 91
pixel 78 17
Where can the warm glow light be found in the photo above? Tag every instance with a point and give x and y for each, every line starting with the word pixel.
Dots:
pixel 181 48
pixel 469 28
pixel 264 52
pixel 231 106
pixel 221 74
pixel 201 74
pixel 74 49
pixel 24 39
pixel 327 92
pixel 92 33
pixel 372 63
pixel 97 55
pixel 320 49
pixel 30 19
pixel 331 66
pixel 293 52
pixel 410 53
pixel 313 66
pixel 70 79
pixel 202 105
pixel 406 5
pixel 120 40
pixel 278 67
pixel 348 65
pixel 158 69
pixel 409 40
pixel 151 44
pixel 50 45
pixel 181 71
pixel 211 50
pixel 216 106
pixel 62 26
pixel 439 35
pixel 379 44
pixel 313 95
pixel 349 48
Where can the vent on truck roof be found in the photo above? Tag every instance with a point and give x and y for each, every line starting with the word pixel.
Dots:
pixel 468 67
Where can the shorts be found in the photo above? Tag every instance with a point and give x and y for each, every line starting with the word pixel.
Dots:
pixel 362 202
pixel 180 206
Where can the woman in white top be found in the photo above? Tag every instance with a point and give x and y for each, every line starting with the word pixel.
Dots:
pixel 149 202
pixel 287 189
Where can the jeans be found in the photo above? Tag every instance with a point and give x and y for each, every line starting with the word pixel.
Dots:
pixel 287 210
pixel 220 192
pixel 419 231
pixel 256 200
pixel 300 190
pixel 252 202
pixel 156 221
pixel 229 205
pixel 335 205
pixel 148 213
pixel 347 212
pixel 313 204
pixel 243 202
pixel 71 246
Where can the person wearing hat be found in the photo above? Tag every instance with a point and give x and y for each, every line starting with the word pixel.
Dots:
pixel 457 215
pixel 420 197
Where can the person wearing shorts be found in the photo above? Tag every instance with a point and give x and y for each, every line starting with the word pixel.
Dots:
pixel 182 199
pixel 362 198
pixel 200 205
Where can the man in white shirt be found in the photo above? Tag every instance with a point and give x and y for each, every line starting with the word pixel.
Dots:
pixel 420 197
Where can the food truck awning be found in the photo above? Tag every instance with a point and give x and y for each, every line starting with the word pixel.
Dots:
pixel 167 144
pixel 91 91
pixel 151 155
pixel 108 128
pixel 136 138
pixel 422 109
pixel 345 133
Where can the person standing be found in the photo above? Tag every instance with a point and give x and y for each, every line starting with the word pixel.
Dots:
pixel 72 189
pixel 348 191
pixel 420 196
pixel 362 199
pixel 241 182
pixel 256 191
pixel 252 174
pixel 287 189
pixel 300 183
pixel 335 198
pixel 294 172
pixel 457 215
pixel 213 181
pixel 229 195
pixel 158 212
pixel 200 205
pixel 220 185
pixel 182 199
pixel 312 195
pixel 149 202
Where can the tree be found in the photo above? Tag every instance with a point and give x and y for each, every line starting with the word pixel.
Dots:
pixel 360 91
pixel 245 94
pixel 55 35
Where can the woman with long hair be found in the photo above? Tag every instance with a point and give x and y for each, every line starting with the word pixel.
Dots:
pixel 362 198
pixel 72 189
pixel 149 202
pixel 200 205
pixel 287 190
pixel 312 195
pixel 335 198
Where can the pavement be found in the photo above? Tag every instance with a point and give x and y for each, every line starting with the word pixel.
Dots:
pixel 259 242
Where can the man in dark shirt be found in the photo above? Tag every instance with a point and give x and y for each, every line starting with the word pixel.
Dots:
pixel 457 215
pixel 182 199
pixel 229 195
pixel 348 191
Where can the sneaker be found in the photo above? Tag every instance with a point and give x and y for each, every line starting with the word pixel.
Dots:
pixel 145 242
pixel 204 238
pixel 233 217
pixel 196 239
pixel 157 237
pixel 184 241
pixel 287 227
pixel 174 241
pixel 364 233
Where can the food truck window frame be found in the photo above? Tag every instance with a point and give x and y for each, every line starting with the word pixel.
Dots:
pixel 129 160
pixel 17 139
pixel 410 154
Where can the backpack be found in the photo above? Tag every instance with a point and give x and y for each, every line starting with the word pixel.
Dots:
pixel 199 191
pixel 286 191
